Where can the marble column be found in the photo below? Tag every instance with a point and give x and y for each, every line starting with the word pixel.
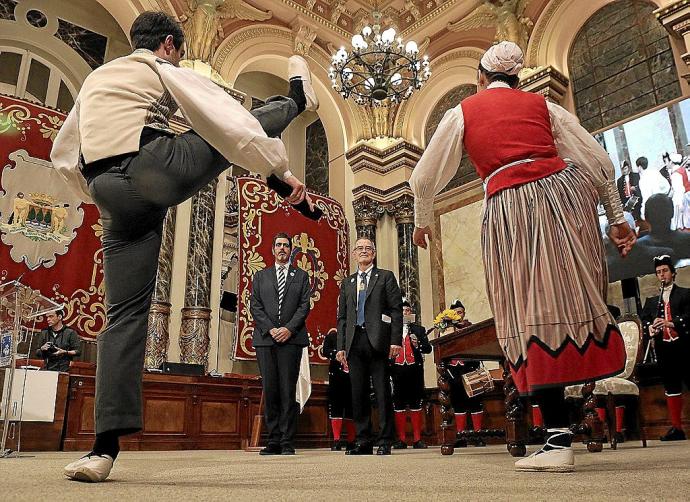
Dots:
pixel 367 213
pixel 196 314
pixel 158 334
pixel 402 209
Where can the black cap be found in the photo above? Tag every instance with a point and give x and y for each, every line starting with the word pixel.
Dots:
pixel 664 259
pixel 457 304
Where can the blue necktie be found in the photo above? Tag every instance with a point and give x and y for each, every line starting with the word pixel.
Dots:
pixel 361 298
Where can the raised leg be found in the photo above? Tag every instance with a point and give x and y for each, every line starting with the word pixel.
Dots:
pixel 592 426
pixel 447 427
pixel 516 427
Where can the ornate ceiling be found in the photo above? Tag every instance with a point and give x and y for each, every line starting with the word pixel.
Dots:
pixel 447 23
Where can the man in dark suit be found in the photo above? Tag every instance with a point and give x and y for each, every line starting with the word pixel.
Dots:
pixel 280 304
pixel 369 335
pixel 408 379
pixel 666 318
pixel 629 190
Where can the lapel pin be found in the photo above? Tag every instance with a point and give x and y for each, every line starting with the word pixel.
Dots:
pixel 352 280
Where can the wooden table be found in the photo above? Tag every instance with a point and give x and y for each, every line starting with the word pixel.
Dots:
pixel 477 342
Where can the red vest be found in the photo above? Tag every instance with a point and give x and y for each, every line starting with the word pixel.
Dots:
pixel 670 334
pixel 405 356
pixel 506 125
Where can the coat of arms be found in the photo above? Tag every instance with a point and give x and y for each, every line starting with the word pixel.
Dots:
pixel 38 212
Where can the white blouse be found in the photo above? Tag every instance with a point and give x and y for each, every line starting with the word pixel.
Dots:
pixel 443 154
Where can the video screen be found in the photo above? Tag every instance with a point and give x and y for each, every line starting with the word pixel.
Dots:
pixel 651 156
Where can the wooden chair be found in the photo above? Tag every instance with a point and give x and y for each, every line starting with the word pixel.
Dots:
pixel 623 384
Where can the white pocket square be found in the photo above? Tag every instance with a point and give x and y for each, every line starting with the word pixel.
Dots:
pixel 385 318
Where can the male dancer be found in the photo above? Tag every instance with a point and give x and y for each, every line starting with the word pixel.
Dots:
pixel 667 320
pixel 135 168
pixel 543 254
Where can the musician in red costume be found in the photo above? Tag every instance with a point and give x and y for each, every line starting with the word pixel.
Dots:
pixel 666 318
pixel 543 254
pixel 407 372
pixel 459 400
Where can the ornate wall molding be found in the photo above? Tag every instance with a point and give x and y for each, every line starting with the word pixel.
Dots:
pixel 383 196
pixel 382 161
pixel 549 82
pixel 537 37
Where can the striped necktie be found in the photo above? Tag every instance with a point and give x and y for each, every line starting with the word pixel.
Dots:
pixel 281 287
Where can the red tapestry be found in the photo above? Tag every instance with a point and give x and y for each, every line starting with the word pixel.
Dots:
pixel 319 248
pixel 48 233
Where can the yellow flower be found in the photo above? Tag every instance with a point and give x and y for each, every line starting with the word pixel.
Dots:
pixel 446 318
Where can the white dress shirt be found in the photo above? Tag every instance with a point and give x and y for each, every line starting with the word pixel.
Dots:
pixel 443 154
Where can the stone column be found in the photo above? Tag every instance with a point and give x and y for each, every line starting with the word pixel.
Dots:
pixel 402 209
pixel 676 20
pixel 367 213
pixel 196 314
pixel 158 334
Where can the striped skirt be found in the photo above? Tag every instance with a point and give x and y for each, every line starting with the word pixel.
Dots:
pixel 546 281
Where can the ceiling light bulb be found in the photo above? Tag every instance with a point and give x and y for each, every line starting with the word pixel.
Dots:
pixel 411 47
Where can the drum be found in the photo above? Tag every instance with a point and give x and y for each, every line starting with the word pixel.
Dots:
pixel 477 382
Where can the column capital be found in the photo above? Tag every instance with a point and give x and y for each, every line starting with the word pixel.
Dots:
pixel 367 211
pixel 402 209
pixel 547 81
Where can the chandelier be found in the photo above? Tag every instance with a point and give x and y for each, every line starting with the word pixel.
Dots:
pixel 379 67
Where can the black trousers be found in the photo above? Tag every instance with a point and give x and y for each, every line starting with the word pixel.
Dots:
pixel 459 399
pixel 279 367
pixel 339 395
pixel 673 361
pixel 133 194
pixel 366 364
pixel 553 407
pixel 408 386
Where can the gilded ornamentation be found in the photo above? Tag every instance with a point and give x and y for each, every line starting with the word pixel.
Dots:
pixel 304 37
pixel 84 314
pixel 337 10
pixel 255 201
pixel 537 35
pixel 303 246
pixel 19 118
pixel 412 8
pixel 367 210
pixel 507 16
pixel 203 24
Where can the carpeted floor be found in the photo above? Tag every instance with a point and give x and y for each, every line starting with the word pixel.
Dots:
pixel 659 472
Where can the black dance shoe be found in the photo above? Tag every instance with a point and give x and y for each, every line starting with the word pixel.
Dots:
pixel 360 449
pixel 271 449
pixel 419 445
pixel 673 434
pixel 399 445
pixel 384 449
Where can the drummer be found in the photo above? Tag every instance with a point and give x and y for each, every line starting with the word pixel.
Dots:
pixel 461 402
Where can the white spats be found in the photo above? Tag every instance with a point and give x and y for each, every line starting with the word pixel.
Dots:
pixel 91 468
pixel 298 67
pixel 555 456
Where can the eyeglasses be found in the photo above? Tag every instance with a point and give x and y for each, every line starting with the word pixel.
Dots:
pixel 368 249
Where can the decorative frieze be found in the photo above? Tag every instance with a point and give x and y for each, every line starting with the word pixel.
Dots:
pixel 548 81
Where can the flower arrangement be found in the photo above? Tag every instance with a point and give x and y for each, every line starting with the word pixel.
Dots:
pixel 446 319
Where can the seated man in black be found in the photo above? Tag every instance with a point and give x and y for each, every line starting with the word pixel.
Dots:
pixel 57 344
pixel 666 318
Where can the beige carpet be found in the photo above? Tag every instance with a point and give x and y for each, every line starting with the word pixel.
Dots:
pixel 659 472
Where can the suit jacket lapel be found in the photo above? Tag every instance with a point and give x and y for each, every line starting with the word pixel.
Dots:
pixel 372 280
pixel 273 279
pixel 288 278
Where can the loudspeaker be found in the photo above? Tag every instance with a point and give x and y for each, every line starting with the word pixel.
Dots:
pixel 182 369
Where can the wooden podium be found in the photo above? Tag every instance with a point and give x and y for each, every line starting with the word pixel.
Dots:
pixel 478 342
